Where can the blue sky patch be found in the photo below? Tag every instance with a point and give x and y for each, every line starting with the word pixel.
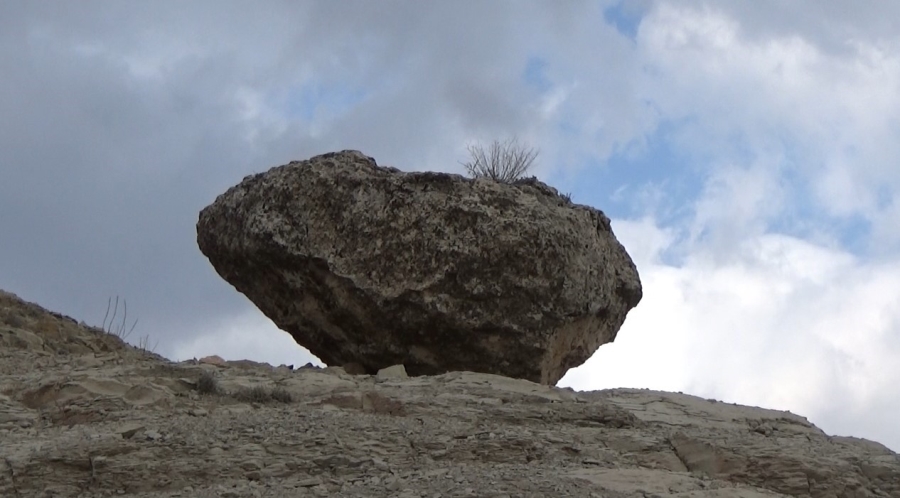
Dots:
pixel 535 74
pixel 654 177
pixel 626 17
pixel 317 101
pixel 616 183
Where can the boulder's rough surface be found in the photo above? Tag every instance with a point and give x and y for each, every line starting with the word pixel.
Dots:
pixel 373 266
pixel 84 415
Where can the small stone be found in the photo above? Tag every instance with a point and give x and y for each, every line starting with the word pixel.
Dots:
pixel 212 360
pixel 392 372
pixel 130 431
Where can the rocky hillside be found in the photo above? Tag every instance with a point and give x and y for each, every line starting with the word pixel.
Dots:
pixel 84 415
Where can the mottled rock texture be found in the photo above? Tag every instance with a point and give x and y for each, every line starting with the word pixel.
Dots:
pixel 374 266
pixel 84 415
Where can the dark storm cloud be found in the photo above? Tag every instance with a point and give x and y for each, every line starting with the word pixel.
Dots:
pixel 122 120
pixel 104 170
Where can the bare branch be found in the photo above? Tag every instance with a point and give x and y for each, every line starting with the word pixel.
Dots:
pixel 108 303
pixel 120 330
pixel 504 162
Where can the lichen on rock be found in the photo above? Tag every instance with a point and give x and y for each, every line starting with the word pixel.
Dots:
pixel 437 272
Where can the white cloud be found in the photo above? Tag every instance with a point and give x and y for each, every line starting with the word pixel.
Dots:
pixel 259 119
pixel 553 100
pixel 248 336
pixel 788 132
pixel 785 324
pixel 735 203
pixel 646 240
pixel 831 116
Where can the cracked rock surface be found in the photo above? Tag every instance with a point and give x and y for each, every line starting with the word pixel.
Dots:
pixel 84 415
pixel 370 265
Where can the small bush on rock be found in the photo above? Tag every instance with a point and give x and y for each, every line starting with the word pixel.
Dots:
pixel 282 395
pixel 255 394
pixel 207 383
pixel 504 162
pixel 260 394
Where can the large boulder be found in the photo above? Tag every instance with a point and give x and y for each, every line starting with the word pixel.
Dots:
pixel 374 266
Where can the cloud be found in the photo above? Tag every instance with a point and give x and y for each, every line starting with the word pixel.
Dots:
pixel 784 324
pixel 772 301
pixel 782 98
pixel 736 203
pixel 247 336
pixel 121 127
pixel 753 316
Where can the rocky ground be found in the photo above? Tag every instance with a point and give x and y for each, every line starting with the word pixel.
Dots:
pixel 83 414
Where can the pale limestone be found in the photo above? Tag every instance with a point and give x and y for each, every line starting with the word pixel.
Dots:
pixel 84 415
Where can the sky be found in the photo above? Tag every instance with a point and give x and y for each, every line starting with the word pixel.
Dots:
pixel 747 153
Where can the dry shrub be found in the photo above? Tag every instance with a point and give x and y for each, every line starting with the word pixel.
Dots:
pixel 282 395
pixel 207 383
pixel 504 162
pixel 261 394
